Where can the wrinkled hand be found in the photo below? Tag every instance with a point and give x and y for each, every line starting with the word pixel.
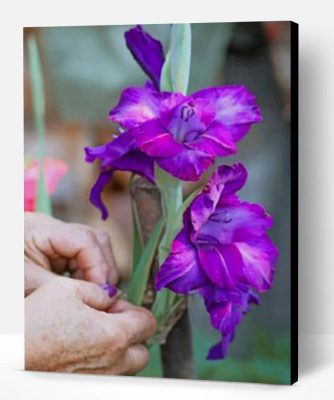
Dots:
pixel 73 326
pixel 57 246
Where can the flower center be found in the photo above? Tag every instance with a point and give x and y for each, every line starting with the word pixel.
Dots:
pixel 223 217
pixel 187 112
pixel 186 125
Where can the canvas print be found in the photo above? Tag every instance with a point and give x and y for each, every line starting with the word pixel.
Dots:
pixel 159 197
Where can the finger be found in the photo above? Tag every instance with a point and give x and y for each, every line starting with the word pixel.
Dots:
pixel 93 296
pixel 134 360
pixel 82 244
pixel 105 244
pixel 121 306
pixel 78 274
pixel 137 323
pixel 35 276
pixel 59 264
pixel 104 241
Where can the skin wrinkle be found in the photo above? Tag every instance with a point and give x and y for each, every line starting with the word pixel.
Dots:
pixel 46 253
pixel 113 342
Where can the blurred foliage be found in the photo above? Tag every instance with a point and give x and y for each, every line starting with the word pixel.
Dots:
pixel 269 361
pixel 88 66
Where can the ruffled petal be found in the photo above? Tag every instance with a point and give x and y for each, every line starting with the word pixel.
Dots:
pixel 222 184
pixel 216 141
pixel 235 223
pixel 171 100
pixel 215 266
pixel 219 351
pixel 181 271
pixel 188 165
pixel 147 51
pixel 155 141
pixel 258 258
pixel 226 309
pixel 120 154
pixel 136 106
pixel 96 192
pixel 137 162
pixel 235 106
pixel 233 178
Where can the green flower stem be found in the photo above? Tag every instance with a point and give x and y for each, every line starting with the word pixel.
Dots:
pixel 172 199
pixel 174 77
pixel 43 201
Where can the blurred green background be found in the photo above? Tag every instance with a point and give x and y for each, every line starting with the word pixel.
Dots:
pixel 85 69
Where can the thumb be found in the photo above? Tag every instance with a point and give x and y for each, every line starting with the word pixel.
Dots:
pixel 94 296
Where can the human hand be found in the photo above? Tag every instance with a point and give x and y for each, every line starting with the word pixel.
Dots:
pixel 73 326
pixel 57 246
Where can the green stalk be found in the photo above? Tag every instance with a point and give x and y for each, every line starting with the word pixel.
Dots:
pixel 171 196
pixel 43 201
pixel 174 77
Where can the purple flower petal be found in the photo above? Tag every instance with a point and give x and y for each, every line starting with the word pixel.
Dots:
pixel 219 351
pixel 235 106
pixel 181 272
pixel 232 177
pixel 96 192
pixel 216 141
pixel 226 310
pixel 109 152
pixel 258 262
pixel 119 154
pixel 171 100
pixel 136 106
pixel 225 181
pixel 111 290
pixel 155 141
pixel 214 264
pixel 147 51
pixel 188 165
pixel 235 223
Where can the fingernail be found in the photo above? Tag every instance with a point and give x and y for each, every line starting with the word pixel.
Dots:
pixel 111 290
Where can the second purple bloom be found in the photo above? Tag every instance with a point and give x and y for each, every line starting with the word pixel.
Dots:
pixel 222 252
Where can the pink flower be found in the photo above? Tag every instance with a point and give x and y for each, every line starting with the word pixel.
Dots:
pixel 54 170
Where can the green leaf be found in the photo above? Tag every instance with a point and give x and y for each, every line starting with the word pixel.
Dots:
pixel 180 56
pixel 162 305
pixel 43 201
pixel 137 248
pixel 141 273
pixel 166 77
pixel 182 209
pixel 175 227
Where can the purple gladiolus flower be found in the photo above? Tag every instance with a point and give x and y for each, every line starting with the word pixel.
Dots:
pixel 222 252
pixel 185 134
pixel 182 134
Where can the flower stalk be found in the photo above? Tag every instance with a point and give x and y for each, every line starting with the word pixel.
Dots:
pixel 43 202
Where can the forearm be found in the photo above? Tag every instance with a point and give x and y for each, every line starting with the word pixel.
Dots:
pixel 34 276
